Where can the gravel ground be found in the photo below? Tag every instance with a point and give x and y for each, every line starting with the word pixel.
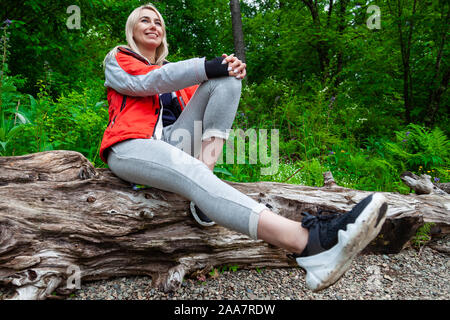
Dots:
pixel 408 275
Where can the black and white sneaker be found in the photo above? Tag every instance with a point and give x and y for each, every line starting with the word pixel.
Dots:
pixel 200 217
pixel 334 240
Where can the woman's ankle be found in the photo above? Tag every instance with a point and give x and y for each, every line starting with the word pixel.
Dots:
pixel 282 232
pixel 210 151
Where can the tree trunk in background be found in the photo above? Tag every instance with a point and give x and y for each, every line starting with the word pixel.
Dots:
pixel 437 89
pixel 340 55
pixel 238 33
pixel 405 49
pixel 321 46
pixel 435 100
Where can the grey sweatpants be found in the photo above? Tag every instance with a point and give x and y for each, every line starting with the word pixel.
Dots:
pixel 170 164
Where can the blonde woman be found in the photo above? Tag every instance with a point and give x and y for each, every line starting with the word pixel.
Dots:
pixel 152 103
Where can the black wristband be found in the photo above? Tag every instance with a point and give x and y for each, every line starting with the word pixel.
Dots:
pixel 215 69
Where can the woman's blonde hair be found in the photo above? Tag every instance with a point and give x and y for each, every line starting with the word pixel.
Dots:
pixel 161 52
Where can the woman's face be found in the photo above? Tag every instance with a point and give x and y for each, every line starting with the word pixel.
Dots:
pixel 148 31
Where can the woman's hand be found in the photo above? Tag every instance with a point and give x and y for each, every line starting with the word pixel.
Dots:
pixel 236 68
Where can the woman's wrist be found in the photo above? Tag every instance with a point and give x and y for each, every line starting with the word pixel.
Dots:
pixel 215 68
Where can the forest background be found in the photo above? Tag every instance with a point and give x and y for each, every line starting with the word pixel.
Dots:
pixel 357 90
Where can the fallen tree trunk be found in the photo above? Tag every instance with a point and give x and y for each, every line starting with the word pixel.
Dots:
pixel 62 220
pixel 423 184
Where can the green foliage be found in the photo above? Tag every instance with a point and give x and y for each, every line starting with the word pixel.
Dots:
pixel 417 146
pixel 228 268
pixel 334 91
pixel 308 173
pixel 302 115
pixel 76 122
pixel 12 119
pixel 422 236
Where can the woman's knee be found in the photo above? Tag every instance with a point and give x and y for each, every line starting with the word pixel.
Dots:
pixel 229 84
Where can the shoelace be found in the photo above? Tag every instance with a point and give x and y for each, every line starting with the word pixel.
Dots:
pixel 310 220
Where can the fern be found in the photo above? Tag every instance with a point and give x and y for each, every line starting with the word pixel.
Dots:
pixel 423 235
pixel 419 147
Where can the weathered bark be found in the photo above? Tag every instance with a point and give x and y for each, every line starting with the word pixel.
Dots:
pixel 444 186
pixel 238 33
pixel 59 214
pixel 423 184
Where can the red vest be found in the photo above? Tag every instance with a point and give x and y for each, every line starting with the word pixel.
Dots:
pixel 134 117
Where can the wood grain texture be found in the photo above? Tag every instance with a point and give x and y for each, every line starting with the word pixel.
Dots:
pixel 59 214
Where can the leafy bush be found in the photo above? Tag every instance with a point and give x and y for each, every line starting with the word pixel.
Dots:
pixel 417 146
pixel 423 235
pixel 74 122
pixel 12 118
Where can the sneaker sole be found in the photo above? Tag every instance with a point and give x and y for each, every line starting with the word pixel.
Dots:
pixel 324 269
pixel 199 221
